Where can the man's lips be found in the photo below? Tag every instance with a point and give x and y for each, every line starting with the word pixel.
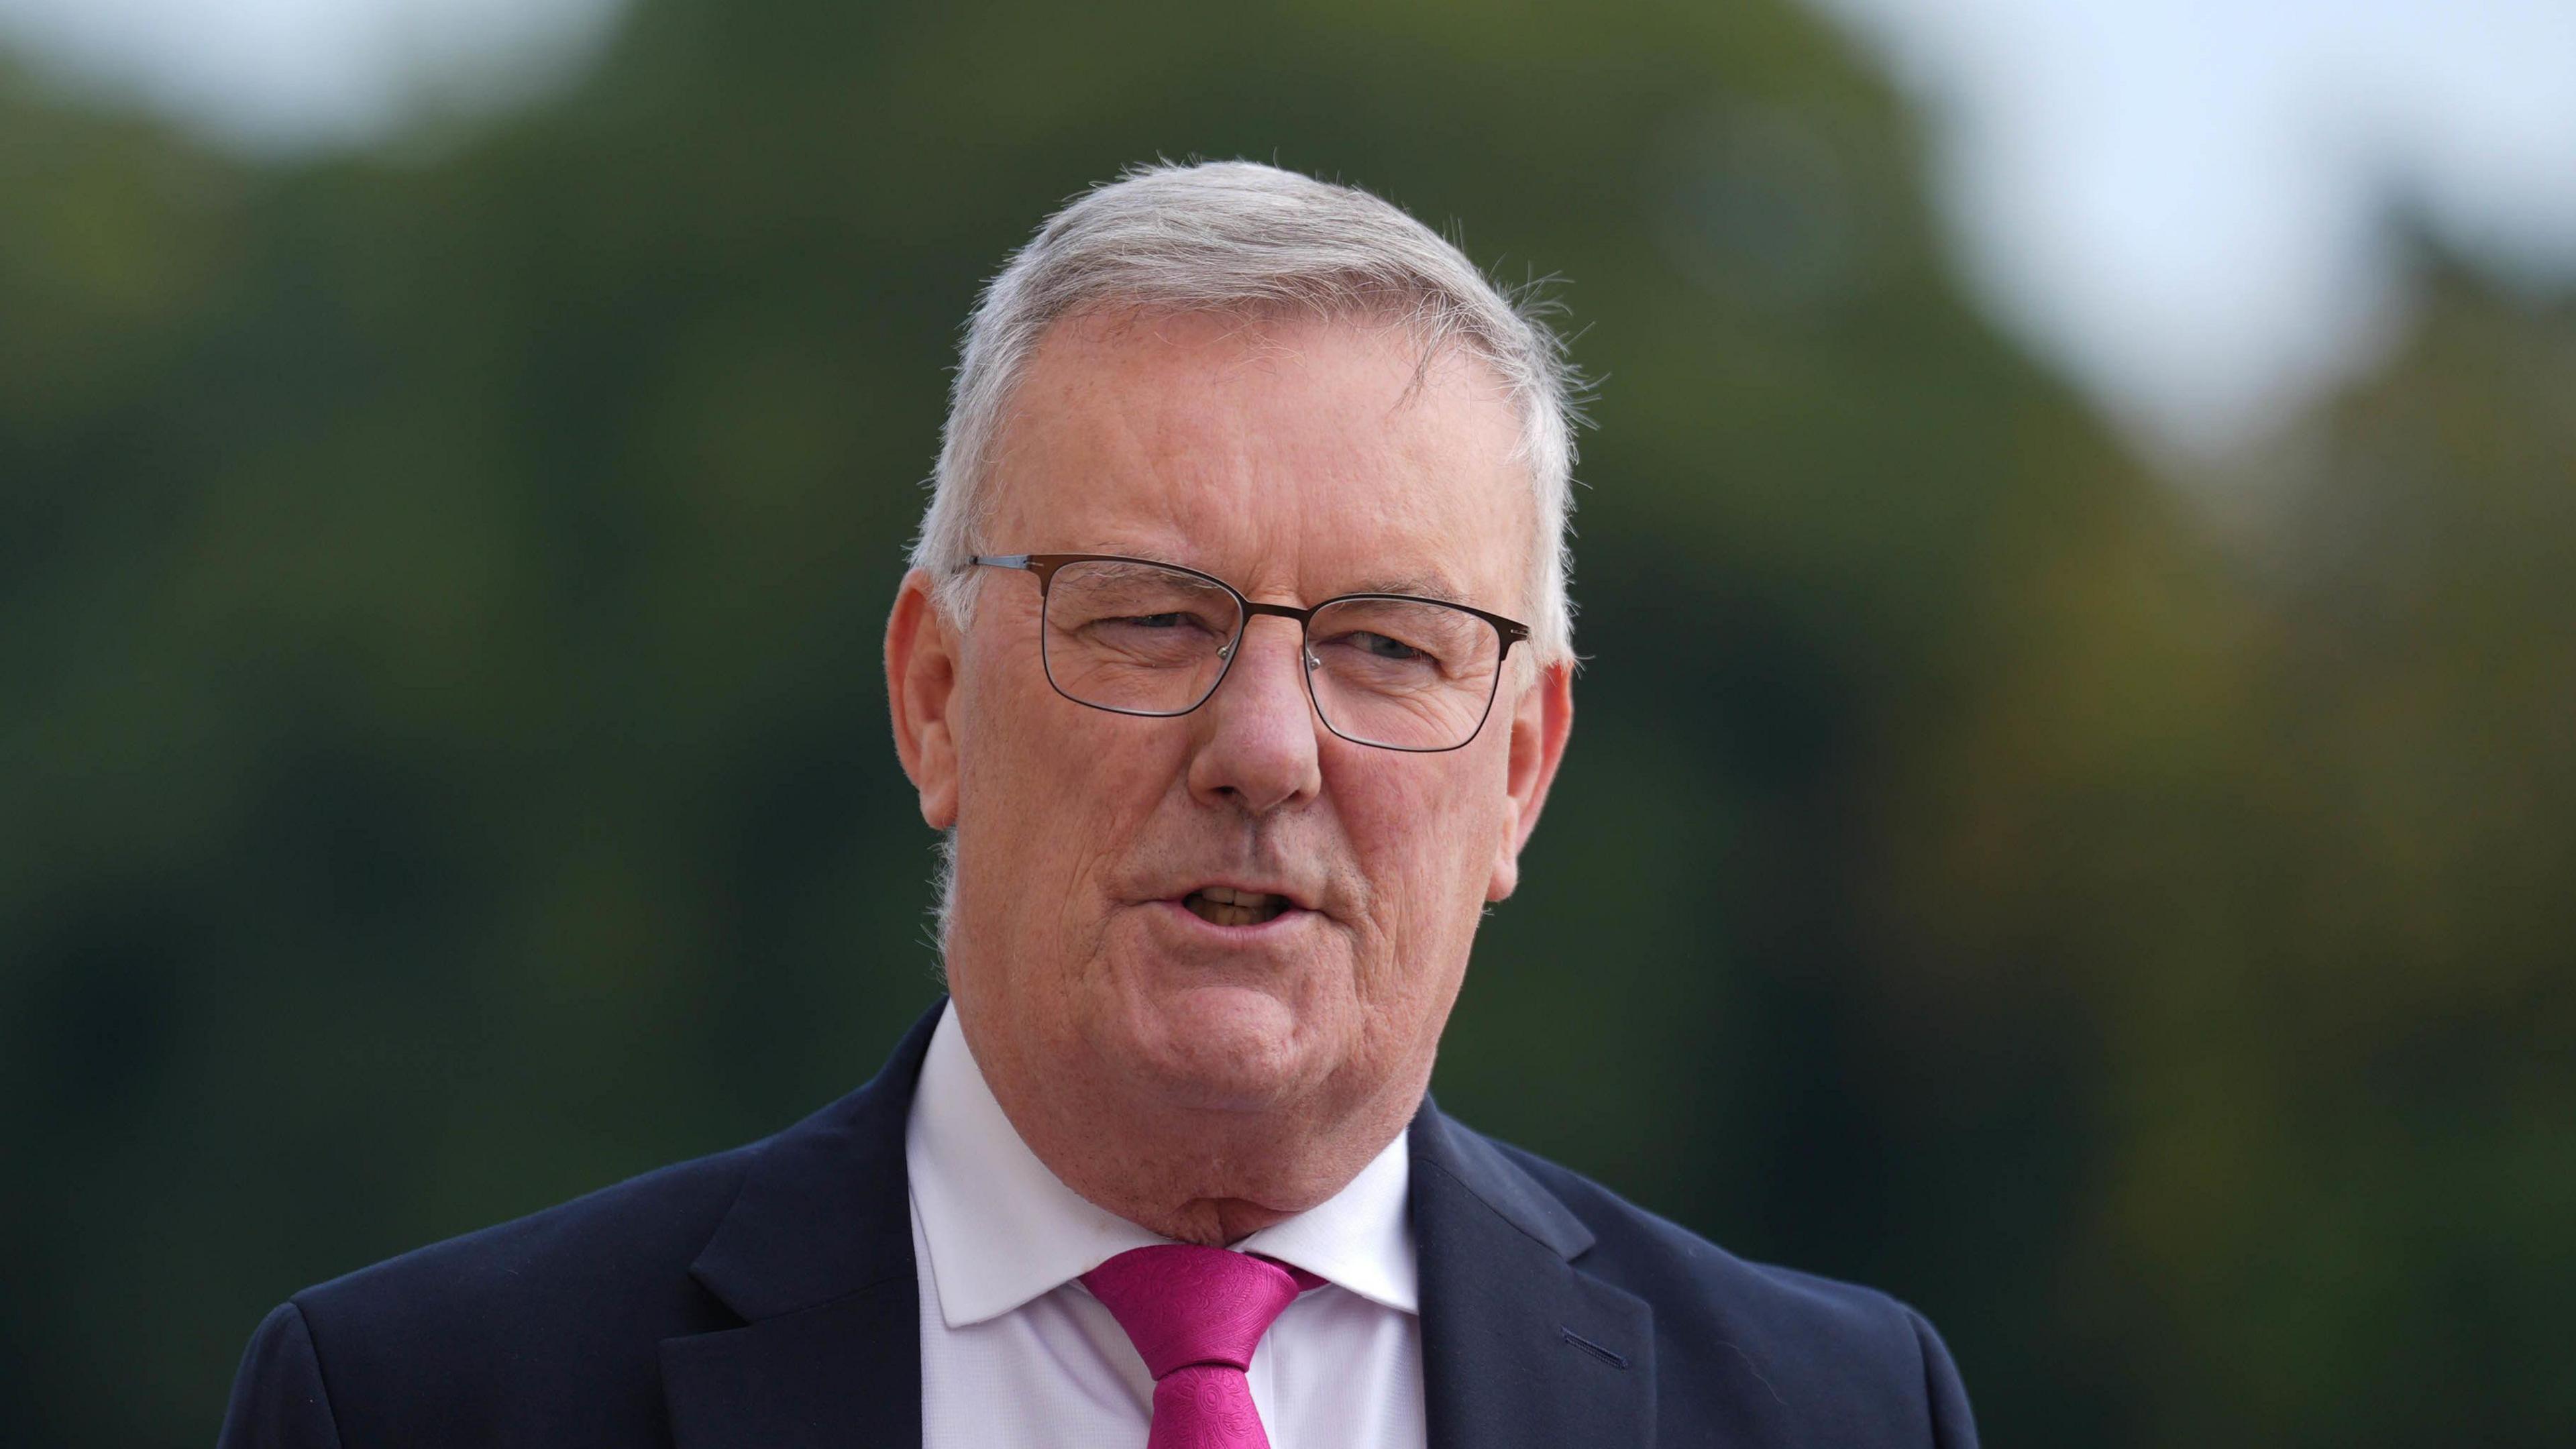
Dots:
pixel 1226 906
pixel 1236 905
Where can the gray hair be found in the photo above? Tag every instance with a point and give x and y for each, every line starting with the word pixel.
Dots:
pixel 1239 236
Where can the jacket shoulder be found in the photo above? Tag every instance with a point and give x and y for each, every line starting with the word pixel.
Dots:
pixel 656 1220
pixel 1757 1354
pixel 545 1329
pixel 550 1330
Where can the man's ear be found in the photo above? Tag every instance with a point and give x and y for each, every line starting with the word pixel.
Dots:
pixel 1541 719
pixel 921 652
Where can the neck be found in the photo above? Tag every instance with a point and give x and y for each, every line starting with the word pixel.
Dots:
pixel 1196 1175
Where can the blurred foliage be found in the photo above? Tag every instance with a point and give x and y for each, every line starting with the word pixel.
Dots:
pixel 443 764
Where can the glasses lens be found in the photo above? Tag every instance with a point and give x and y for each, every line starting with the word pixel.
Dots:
pixel 1137 637
pixel 1404 673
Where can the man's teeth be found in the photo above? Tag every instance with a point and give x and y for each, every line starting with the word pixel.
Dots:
pixel 1226 906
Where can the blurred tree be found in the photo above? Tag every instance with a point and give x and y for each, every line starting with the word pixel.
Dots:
pixel 2346 1171
pixel 2280 821
pixel 442 765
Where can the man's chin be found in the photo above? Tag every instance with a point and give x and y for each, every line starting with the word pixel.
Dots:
pixel 1218 1046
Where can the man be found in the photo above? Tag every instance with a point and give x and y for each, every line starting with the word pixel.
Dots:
pixel 1234 663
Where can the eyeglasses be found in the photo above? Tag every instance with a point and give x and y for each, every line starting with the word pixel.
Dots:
pixel 1132 636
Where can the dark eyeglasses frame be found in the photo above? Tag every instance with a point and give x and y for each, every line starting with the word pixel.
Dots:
pixel 1044 565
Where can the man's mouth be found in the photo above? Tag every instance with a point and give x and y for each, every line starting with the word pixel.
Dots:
pixel 1226 906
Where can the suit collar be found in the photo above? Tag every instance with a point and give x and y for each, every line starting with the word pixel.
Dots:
pixel 816 1256
pixel 826 1209
pixel 1520 1347
pixel 1443 1145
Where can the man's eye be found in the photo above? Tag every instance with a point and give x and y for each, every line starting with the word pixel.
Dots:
pixel 1172 621
pixel 1380 646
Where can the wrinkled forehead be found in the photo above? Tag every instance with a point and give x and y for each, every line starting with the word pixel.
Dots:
pixel 1296 457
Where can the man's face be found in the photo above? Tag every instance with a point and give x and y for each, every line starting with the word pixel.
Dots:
pixel 1296 460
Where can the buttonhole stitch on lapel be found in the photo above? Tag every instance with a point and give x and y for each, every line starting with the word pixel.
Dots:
pixel 1594 1349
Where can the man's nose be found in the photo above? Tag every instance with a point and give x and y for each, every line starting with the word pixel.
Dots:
pixel 1257 745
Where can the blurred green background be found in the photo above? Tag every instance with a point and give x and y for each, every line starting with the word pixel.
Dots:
pixel 443 764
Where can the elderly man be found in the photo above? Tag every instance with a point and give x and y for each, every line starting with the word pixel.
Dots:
pixel 1234 663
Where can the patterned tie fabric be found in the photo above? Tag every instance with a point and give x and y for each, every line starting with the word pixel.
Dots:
pixel 1195 1315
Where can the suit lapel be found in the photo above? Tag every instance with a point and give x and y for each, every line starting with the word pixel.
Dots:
pixel 1520 1347
pixel 816 1257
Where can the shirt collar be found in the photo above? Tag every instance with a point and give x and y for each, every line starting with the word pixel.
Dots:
pixel 1002 1230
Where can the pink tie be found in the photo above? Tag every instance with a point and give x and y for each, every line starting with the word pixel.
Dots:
pixel 1195 1315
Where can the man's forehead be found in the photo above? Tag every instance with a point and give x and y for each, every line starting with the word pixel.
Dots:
pixel 1316 448
pixel 1139 359
pixel 1426 583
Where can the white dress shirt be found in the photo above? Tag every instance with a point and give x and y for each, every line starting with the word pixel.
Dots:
pixel 1015 1352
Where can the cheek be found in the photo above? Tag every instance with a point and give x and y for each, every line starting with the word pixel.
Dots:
pixel 1424 828
pixel 1051 791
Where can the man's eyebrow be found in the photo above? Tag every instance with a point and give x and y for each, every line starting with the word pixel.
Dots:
pixel 1421 585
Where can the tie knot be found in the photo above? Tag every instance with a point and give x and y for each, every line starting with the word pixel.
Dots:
pixel 1182 1304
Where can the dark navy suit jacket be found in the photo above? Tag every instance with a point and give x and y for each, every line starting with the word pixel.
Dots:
pixel 765 1297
